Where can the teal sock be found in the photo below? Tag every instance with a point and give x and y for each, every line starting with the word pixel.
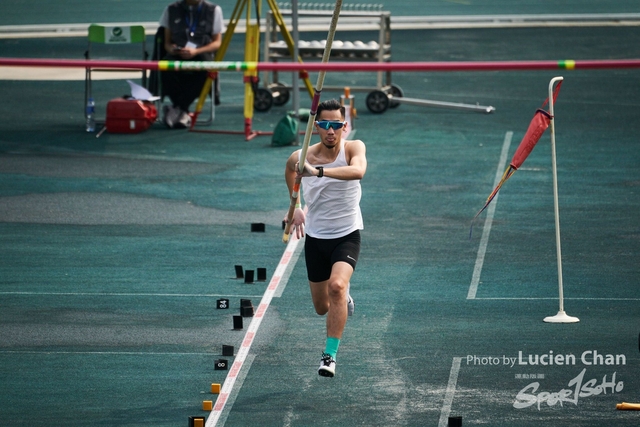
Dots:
pixel 332 346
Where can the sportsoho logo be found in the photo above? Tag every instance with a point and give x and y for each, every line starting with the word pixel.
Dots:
pixel 577 388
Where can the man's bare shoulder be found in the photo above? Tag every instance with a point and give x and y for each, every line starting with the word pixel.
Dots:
pixel 293 158
pixel 295 154
pixel 354 144
pixel 353 141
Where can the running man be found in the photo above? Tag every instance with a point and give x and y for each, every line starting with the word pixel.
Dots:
pixel 331 220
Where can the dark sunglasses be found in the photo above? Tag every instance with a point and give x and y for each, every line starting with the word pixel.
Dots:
pixel 326 125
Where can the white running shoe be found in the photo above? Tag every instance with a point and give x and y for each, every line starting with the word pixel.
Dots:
pixel 327 366
pixel 184 120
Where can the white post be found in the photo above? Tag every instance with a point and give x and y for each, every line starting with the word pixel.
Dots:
pixel 561 317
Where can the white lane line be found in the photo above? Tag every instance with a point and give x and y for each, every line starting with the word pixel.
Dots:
pixel 556 298
pixel 243 352
pixel 123 294
pixel 284 279
pixel 451 390
pixel 482 249
pixel 236 390
pixel 110 353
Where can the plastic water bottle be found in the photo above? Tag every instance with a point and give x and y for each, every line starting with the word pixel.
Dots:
pixel 91 119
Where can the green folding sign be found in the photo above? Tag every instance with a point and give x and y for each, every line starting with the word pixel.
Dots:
pixel 116 34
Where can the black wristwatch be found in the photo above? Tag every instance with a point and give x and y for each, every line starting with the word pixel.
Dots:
pixel 320 171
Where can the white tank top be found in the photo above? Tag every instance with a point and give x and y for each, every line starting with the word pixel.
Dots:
pixel 333 204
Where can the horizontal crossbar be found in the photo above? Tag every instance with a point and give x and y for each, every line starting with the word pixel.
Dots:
pixel 338 66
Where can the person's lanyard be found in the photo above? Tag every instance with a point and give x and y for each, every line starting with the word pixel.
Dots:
pixel 193 24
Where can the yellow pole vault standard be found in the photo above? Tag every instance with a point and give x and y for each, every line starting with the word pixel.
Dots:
pixel 224 45
pixel 241 7
pixel 312 118
pixel 251 52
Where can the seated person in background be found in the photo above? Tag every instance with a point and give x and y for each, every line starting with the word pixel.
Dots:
pixel 192 32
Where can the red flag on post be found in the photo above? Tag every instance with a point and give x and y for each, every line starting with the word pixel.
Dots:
pixel 539 123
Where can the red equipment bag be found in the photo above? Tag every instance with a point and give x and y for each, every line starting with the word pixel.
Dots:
pixel 130 115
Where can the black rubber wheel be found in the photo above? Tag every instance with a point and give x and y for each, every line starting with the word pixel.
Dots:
pixel 280 94
pixel 377 102
pixel 396 92
pixel 262 99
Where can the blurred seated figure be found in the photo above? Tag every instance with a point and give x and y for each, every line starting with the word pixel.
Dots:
pixel 192 32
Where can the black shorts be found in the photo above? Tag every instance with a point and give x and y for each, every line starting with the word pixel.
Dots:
pixel 321 254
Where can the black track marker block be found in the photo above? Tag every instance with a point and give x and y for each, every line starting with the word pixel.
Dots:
pixel 239 273
pixel 246 311
pixel 237 322
pixel 246 303
pixel 221 365
pixel 455 421
pixel 248 277
pixel 223 303
pixel 262 274
pixel 196 421
pixel 227 350
pixel 257 227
